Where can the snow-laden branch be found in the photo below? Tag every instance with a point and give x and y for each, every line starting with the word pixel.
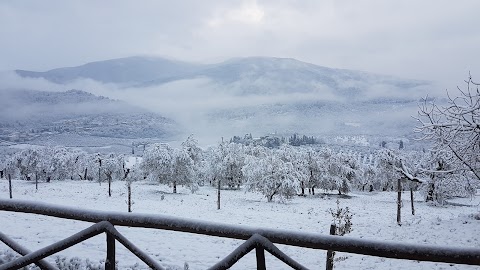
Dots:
pixel 455 127
pixel 408 175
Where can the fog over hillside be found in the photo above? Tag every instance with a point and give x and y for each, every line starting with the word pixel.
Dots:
pixel 262 95
pixel 46 117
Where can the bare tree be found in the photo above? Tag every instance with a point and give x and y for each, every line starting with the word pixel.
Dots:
pixel 454 130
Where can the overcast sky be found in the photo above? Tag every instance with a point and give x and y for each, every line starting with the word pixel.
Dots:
pixel 433 40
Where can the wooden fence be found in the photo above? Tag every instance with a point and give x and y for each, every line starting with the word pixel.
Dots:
pixel 256 238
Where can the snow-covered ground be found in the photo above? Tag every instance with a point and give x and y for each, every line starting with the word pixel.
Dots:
pixel 374 218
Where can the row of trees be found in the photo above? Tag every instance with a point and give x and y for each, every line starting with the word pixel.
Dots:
pixel 276 173
pixel 60 163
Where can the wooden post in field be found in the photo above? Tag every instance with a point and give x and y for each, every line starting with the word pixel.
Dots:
pixel 331 253
pixel 109 186
pixel 411 199
pixel 399 201
pixel 129 187
pixel 10 185
pixel 218 195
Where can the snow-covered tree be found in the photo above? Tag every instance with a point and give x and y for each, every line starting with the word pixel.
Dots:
pixel 167 165
pixel 297 156
pixel 82 167
pixel 454 131
pixel 62 162
pixel 442 178
pixel 24 163
pixel 198 162
pixel 183 170
pixel 157 164
pixel 366 180
pixel 316 170
pixel 271 176
pixel 3 166
pixel 340 170
pixel 393 165
pixel 113 168
pixel 227 161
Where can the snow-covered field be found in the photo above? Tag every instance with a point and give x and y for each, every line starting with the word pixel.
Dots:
pixel 374 218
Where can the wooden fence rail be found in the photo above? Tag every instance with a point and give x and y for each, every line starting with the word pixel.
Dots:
pixel 257 238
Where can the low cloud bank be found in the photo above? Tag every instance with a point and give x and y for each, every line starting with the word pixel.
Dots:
pixel 210 109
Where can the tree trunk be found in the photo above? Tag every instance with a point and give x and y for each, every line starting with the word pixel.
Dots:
pixel 313 190
pixel 399 202
pixel 36 181
pixel 85 174
pixel 411 199
pixel 431 192
pixel 174 186
pixel 218 194
pixel 303 188
pixel 275 191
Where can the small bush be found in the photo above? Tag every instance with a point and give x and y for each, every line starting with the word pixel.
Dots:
pixel 342 219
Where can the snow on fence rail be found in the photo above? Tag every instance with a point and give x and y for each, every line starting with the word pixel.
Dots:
pixel 258 238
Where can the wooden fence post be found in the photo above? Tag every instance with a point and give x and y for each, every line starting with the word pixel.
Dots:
pixel 218 194
pixel 331 253
pixel 129 187
pixel 110 261
pixel 399 202
pixel 411 199
pixel 260 253
pixel 10 185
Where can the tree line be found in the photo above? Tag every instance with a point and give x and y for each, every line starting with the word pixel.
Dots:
pixel 279 173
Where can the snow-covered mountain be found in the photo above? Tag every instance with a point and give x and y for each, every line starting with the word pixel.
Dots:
pixel 251 75
pixel 121 71
pixel 28 115
pixel 257 94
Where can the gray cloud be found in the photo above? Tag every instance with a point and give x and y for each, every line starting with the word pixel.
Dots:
pixel 433 40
